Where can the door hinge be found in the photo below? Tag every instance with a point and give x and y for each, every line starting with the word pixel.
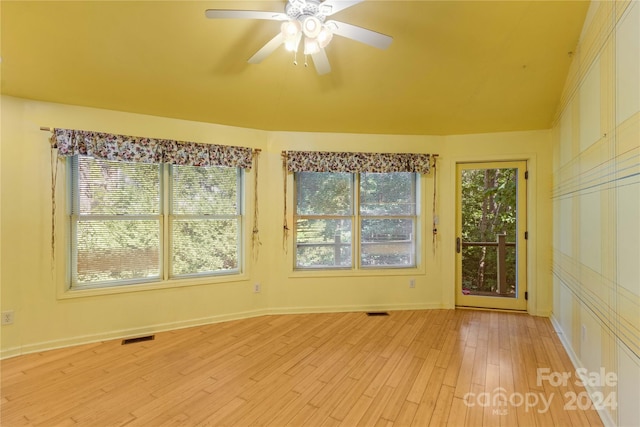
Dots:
pixel 526 235
pixel 526 295
pixel 526 174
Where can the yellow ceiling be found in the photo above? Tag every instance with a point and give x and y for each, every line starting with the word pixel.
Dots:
pixel 454 66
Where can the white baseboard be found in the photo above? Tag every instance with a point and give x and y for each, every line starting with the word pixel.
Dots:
pixel 605 416
pixel 354 308
pixel 133 332
pixel 10 352
pixel 126 333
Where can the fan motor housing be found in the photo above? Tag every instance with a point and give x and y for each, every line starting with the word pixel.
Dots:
pixel 300 9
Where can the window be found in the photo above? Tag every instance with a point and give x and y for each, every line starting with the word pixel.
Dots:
pixel 324 211
pixel 369 217
pixel 126 216
pixel 387 219
pixel 205 220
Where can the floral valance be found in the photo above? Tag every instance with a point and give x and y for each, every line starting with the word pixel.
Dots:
pixel 125 148
pixel 324 161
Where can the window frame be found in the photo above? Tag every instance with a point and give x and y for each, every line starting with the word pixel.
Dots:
pixel 356 227
pixel 171 217
pixel 165 278
pixel 414 217
pixel 351 217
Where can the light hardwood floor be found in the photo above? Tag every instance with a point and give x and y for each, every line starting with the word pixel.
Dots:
pixel 411 368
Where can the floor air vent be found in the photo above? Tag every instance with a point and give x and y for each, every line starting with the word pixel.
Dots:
pixel 377 313
pixel 138 339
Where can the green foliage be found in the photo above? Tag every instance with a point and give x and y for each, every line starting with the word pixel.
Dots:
pixel 323 242
pixel 385 194
pixel 204 246
pixel 205 209
pixel 319 193
pixel 121 247
pixel 204 190
pixel 324 208
pixel 118 232
pixel 117 250
pixel 488 209
pixel 386 242
pixel 116 188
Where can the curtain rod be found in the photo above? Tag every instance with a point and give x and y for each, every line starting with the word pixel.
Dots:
pixel 48 129
pixel 283 153
pixel 257 150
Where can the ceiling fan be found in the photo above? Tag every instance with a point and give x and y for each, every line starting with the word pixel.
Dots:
pixel 305 21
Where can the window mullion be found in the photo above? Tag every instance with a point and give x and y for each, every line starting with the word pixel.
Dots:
pixel 91 217
pixel 240 194
pixel 414 188
pixel 74 210
pixel 166 203
pixel 355 223
pixel 240 207
pixel 418 222
pixel 73 251
pixel 206 216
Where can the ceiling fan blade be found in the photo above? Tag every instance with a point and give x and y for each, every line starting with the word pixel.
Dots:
pixel 245 14
pixel 372 38
pixel 321 62
pixel 267 49
pixel 338 5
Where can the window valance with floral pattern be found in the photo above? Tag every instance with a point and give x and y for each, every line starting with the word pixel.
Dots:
pixel 324 161
pixel 107 146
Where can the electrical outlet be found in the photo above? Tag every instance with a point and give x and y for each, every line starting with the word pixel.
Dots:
pixel 7 317
pixel 257 288
pixel 412 283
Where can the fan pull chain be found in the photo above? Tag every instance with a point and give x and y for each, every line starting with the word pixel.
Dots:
pixel 295 57
pixel 305 61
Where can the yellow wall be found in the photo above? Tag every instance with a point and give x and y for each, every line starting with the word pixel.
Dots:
pixel 596 205
pixel 47 316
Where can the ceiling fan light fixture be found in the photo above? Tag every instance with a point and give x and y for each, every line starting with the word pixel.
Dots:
pixel 291 43
pixel 306 19
pixel 290 28
pixel 311 46
pixel 324 38
pixel 311 26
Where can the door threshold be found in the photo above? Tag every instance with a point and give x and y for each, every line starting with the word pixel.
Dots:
pixel 504 310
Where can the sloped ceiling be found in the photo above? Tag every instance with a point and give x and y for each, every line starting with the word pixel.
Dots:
pixel 454 67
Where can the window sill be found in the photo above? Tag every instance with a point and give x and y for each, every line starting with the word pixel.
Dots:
pixel 386 272
pixel 151 286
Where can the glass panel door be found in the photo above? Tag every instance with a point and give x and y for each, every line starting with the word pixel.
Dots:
pixel 490 244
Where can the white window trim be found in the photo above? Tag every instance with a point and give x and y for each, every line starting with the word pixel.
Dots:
pixel 167 243
pixel 356 269
pixel 67 288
